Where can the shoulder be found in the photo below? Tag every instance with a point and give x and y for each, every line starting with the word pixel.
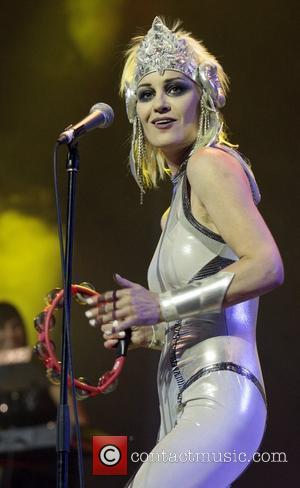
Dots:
pixel 211 168
pixel 213 161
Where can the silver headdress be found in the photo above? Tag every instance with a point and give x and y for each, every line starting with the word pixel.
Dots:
pixel 161 50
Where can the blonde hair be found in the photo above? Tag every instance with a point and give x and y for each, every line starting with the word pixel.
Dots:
pixel 153 161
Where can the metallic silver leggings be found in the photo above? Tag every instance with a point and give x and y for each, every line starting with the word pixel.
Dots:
pixel 219 428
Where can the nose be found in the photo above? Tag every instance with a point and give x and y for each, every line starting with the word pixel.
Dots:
pixel 161 104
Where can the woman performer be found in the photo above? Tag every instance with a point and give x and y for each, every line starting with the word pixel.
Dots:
pixel 214 258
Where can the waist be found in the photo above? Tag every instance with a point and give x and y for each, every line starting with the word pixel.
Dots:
pixel 192 348
pixel 183 359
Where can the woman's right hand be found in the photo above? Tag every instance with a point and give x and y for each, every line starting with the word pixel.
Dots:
pixel 140 336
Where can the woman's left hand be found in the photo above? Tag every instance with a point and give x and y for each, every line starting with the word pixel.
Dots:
pixel 132 305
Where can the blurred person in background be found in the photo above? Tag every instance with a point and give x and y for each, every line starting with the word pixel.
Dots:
pixel 28 409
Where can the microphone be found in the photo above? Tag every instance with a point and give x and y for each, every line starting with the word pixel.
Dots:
pixel 101 115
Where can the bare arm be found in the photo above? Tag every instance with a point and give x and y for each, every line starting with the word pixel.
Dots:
pixel 219 183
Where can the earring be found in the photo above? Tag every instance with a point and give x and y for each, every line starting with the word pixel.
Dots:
pixel 204 119
pixel 141 151
pixel 204 124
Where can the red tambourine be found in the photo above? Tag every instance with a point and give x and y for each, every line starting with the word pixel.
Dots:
pixel 45 347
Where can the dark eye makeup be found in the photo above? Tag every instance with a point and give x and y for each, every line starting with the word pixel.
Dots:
pixel 145 94
pixel 172 88
pixel 177 88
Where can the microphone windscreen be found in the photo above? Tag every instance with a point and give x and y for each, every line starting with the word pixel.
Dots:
pixel 106 110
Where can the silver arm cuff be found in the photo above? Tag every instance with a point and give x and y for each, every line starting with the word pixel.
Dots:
pixel 199 297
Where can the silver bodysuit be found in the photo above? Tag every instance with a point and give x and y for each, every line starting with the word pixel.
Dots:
pixel 189 251
pixel 210 383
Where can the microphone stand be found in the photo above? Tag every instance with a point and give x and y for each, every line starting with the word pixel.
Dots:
pixel 63 415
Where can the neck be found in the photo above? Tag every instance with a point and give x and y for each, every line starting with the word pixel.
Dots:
pixel 175 160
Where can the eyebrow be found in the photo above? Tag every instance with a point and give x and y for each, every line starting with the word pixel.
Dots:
pixel 165 81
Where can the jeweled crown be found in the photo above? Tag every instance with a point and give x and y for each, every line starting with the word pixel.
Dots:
pixel 162 50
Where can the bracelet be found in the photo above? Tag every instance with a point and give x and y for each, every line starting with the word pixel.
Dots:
pixel 155 343
pixel 153 338
pixel 198 297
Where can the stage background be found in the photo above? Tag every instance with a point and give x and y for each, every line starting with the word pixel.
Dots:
pixel 58 58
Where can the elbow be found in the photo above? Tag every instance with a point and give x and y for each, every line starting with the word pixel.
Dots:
pixel 277 276
pixel 280 275
pixel 274 272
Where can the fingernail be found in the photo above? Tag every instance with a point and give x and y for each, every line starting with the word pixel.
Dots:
pixel 90 301
pixel 92 322
pixel 121 334
pixel 88 313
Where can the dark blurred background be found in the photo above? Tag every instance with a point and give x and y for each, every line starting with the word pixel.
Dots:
pixel 58 58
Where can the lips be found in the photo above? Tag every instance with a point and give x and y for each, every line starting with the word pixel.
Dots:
pixel 162 121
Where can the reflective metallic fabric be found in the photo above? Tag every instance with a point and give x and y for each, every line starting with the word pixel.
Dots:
pixel 223 416
pixel 188 251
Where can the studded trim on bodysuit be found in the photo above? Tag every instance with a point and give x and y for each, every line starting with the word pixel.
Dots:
pixel 213 267
pixel 226 366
